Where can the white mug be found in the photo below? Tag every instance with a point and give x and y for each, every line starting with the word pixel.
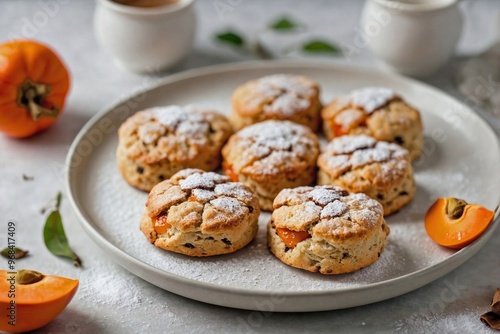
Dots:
pixel 145 39
pixel 412 37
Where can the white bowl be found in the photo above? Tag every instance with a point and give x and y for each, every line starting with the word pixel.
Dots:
pixel 412 37
pixel 145 39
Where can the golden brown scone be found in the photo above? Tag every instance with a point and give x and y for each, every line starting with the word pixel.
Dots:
pixel 270 156
pixel 360 163
pixel 278 96
pixel 326 229
pixel 377 112
pixel 199 213
pixel 156 143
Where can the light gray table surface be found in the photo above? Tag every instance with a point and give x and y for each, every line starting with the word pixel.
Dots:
pixel 112 300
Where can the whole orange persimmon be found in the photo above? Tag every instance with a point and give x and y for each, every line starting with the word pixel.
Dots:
pixel 34 83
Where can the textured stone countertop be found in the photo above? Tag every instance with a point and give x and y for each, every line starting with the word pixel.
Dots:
pixel 112 300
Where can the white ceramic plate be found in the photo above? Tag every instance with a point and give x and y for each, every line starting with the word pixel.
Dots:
pixel 461 159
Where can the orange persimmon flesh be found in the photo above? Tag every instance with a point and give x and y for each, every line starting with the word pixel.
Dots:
pixel 292 238
pixel 228 170
pixel 36 304
pixel 161 225
pixel 454 223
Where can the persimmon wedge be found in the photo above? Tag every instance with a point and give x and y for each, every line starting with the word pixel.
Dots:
pixel 30 300
pixel 454 223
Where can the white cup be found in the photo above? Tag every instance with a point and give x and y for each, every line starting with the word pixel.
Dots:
pixel 145 39
pixel 412 37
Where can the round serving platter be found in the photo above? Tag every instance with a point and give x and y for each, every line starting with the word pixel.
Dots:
pixel 456 142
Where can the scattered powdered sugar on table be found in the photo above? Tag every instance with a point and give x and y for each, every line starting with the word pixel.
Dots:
pixel 106 286
pixel 371 98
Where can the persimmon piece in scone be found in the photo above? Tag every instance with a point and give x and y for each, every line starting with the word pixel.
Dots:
pixel 378 112
pixel 326 229
pixel 199 213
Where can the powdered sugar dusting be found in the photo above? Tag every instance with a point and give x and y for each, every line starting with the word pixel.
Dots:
pixel 187 125
pixel 228 205
pixel 150 132
pixel 169 116
pixel 349 144
pixel 349 116
pixel 288 94
pixel 286 104
pixel 371 98
pixel 333 209
pixel 202 180
pixel 354 151
pixel 276 143
pixel 203 195
pixel 233 189
pixel 327 202
pixel 323 196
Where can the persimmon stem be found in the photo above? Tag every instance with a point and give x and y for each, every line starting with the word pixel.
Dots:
pixel 28 276
pixel 31 96
pixel 455 207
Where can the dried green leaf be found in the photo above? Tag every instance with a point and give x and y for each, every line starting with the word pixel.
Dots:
pixel 284 24
pixel 231 38
pixel 320 47
pixel 55 238
pixel 17 252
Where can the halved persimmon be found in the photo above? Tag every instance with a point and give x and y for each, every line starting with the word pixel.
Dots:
pixel 292 238
pixel 30 300
pixel 454 223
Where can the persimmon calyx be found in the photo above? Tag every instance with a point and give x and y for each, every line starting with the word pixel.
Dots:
pixel 28 276
pixel 31 96
pixel 455 207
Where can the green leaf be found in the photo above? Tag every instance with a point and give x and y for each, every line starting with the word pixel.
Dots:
pixel 55 238
pixel 284 24
pixel 320 47
pixel 231 38
pixel 17 252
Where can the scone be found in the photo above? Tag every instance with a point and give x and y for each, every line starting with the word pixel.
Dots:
pixel 377 112
pixel 326 229
pixel 156 143
pixel 360 163
pixel 279 96
pixel 199 213
pixel 270 156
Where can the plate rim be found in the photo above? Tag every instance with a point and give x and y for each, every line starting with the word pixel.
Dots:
pixel 141 269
